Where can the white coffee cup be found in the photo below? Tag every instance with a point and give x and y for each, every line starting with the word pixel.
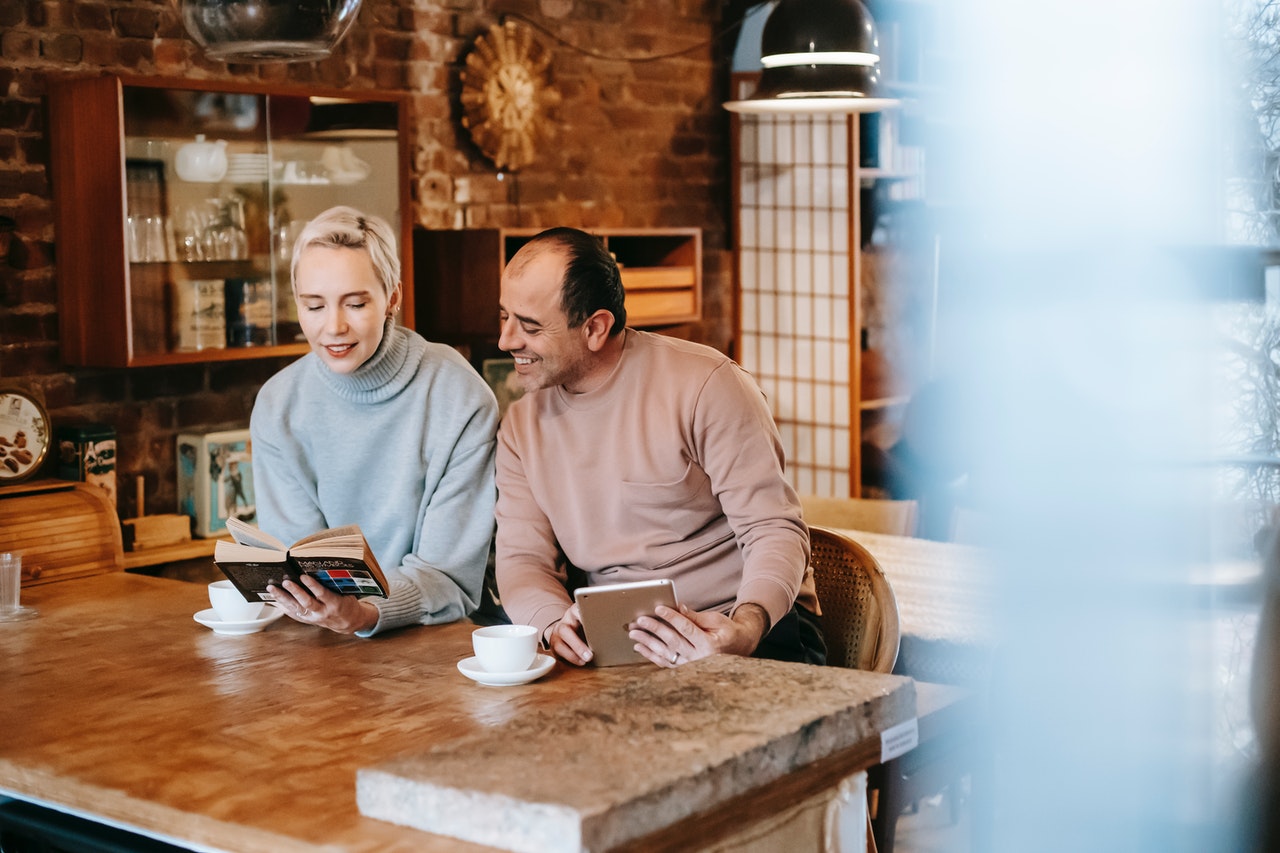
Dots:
pixel 505 648
pixel 230 605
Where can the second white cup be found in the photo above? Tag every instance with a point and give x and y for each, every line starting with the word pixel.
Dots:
pixel 230 605
pixel 505 648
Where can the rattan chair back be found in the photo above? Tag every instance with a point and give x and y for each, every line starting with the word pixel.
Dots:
pixel 859 611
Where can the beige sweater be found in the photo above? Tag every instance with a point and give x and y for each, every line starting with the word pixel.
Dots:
pixel 672 468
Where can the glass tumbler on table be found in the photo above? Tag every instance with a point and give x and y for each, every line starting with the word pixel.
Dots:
pixel 11 609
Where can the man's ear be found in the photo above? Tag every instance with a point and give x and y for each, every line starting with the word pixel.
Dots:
pixel 597 328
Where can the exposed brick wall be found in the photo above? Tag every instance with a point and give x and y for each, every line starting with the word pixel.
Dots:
pixel 637 144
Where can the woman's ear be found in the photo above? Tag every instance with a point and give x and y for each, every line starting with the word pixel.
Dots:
pixel 393 302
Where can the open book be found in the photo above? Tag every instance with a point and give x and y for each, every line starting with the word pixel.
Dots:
pixel 340 558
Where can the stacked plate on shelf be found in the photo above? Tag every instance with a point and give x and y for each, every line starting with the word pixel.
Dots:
pixel 246 168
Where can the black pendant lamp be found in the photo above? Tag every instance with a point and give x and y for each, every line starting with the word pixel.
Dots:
pixel 819 56
pixel 268 30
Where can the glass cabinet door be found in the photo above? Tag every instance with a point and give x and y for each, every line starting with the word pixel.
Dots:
pixel 218 186
pixel 326 152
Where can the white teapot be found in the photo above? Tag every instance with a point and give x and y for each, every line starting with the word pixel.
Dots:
pixel 201 161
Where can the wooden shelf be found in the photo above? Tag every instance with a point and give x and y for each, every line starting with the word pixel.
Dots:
pixel 203 356
pixel 658 278
pixel 190 550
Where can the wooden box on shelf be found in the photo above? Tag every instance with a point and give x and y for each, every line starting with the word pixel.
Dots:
pixel 458 275
pixel 168 191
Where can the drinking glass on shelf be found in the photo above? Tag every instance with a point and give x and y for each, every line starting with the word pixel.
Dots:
pixel 238 237
pixel 286 235
pixel 134 235
pixel 223 236
pixel 208 233
pixel 190 239
pixel 147 239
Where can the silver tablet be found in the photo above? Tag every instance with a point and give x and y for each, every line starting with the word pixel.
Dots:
pixel 607 611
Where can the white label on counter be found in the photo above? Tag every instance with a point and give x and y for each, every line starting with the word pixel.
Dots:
pixel 899 739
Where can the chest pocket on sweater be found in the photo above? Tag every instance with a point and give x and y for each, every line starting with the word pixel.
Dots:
pixel 672 512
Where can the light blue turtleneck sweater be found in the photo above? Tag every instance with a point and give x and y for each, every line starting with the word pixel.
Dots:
pixel 403 446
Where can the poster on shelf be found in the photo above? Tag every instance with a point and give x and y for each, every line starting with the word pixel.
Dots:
pixel 215 479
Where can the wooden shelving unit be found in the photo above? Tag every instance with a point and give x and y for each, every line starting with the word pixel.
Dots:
pixel 459 272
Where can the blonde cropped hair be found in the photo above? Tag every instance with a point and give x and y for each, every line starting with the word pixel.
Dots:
pixel 346 227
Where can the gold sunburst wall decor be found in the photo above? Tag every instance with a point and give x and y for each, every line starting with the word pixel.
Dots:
pixel 506 90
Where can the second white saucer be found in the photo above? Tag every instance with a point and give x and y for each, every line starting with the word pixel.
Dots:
pixel 210 619
pixel 471 668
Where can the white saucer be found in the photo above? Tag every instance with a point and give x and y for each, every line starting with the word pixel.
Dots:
pixel 471 669
pixel 210 620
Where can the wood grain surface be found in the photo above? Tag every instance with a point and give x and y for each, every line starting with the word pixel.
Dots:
pixel 117 705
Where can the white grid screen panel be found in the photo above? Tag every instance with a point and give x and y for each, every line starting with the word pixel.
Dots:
pixel 796 266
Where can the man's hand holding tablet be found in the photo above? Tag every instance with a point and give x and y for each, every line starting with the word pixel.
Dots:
pixel 607 614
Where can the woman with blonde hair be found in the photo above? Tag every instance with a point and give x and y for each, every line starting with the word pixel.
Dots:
pixel 378 427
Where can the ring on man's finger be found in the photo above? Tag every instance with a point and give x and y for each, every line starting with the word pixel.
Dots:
pixel 675 658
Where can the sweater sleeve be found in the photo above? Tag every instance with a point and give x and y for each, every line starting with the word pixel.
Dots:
pixel 738 446
pixel 441 579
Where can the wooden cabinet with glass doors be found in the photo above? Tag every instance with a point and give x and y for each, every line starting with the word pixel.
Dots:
pixel 177 204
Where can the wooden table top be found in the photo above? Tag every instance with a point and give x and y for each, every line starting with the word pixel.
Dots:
pixel 118 706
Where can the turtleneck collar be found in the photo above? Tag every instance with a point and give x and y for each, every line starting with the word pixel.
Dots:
pixel 386 372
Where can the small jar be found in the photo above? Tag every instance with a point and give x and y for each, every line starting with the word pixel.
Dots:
pixel 199 314
pixel 250 304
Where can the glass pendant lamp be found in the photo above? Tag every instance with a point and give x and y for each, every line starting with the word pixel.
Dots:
pixel 254 31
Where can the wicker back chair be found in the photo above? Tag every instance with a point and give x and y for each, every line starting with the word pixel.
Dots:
pixel 859 611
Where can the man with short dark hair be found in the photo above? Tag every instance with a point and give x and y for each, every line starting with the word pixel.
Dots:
pixel 635 456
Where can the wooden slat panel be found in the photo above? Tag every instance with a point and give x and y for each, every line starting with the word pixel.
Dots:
pixel 60 532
